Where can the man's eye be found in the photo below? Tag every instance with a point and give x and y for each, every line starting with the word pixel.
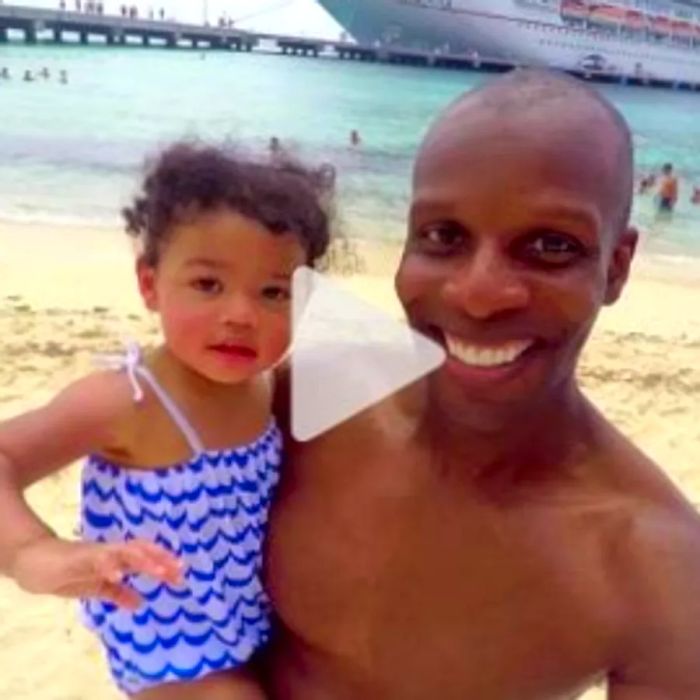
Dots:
pixel 207 285
pixel 441 238
pixel 276 293
pixel 551 249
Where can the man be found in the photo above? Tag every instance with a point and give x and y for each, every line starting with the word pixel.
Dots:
pixel 487 534
pixel 668 190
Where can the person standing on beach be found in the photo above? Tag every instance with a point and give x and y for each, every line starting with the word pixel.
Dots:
pixel 183 451
pixel 487 534
pixel 668 190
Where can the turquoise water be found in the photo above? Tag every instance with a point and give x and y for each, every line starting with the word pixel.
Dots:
pixel 72 153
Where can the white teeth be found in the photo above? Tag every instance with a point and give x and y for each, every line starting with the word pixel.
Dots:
pixel 481 356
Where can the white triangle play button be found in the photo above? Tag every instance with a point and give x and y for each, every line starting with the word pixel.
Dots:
pixel 347 355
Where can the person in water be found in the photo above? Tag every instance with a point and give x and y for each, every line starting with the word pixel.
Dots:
pixel 668 190
pixel 487 533
pixel 183 452
pixel 647 183
pixel 278 153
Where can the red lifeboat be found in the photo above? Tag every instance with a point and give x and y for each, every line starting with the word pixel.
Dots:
pixel 661 25
pixel 607 14
pixel 683 28
pixel 634 19
pixel 574 10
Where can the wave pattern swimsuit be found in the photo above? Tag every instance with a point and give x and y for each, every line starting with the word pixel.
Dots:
pixel 211 512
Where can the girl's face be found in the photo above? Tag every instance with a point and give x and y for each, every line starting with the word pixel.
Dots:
pixel 222 288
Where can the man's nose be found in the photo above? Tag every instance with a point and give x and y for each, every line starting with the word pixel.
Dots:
pixel 486 285
pixel 240 310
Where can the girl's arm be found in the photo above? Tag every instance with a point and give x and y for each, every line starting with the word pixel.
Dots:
pixel 84 418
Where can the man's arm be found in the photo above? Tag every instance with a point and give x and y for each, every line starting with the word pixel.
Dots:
pixel 282 397
pixel 664 649
pixel 631 692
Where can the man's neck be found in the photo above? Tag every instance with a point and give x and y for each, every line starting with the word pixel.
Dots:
pixel 530 444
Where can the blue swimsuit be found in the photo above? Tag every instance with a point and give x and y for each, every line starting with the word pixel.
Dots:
pixel 211 512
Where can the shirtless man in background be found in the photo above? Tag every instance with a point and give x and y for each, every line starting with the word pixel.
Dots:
pixel 668 190
pixel 487 534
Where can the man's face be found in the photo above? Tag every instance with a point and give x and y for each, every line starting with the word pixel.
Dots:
pixel 514 245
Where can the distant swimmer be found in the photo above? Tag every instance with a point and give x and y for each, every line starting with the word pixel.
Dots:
pixel 275 148
pixel 327 176
pixel 5 73
pixel 695 199
pixel 63 77
pixel 355 140
pixel 28 76
pixel 646 183
pixel 668 190
pixel 45 73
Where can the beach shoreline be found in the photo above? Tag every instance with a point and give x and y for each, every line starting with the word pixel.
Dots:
pixel 68 294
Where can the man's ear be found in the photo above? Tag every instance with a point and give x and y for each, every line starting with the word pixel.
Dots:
pixel 146 276
pixel 620 264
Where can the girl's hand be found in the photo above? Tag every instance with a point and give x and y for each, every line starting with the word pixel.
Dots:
pixel 87 570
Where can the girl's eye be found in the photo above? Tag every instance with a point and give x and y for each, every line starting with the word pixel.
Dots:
pixel 551 249
pixel 276 293
pixel 441 238
pixel 207 285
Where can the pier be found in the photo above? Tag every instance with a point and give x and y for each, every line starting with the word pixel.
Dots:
pixel 34 26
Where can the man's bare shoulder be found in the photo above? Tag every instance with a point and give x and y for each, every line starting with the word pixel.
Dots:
pixel 657 575
pixel 662 607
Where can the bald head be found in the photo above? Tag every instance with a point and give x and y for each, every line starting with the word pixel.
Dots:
pixel 545 109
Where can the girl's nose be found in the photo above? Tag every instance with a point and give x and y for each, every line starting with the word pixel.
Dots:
pixel 240 310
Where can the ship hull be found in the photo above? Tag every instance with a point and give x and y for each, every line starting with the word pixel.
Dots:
pixel 532 36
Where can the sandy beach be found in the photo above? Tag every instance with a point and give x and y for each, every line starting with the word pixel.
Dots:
pixel 67 295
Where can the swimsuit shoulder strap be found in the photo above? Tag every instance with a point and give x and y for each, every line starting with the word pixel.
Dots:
pixel 131 362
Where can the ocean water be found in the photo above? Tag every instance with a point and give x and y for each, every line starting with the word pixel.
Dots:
pixel 73 153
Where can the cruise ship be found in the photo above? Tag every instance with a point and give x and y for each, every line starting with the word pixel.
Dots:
pixel 644 38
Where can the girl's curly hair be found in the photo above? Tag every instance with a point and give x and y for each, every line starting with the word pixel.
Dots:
pixel 187 179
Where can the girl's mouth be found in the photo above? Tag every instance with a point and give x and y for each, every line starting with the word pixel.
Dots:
pixel 235 351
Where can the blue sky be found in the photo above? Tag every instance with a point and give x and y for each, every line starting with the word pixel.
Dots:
pixel 303 17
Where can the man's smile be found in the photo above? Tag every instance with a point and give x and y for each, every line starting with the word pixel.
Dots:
pixel 482 355
pixel 480 363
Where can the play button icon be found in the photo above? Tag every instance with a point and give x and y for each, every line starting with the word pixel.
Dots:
pixel 347 355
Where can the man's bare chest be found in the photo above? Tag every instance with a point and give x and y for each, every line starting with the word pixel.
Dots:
pixel 389 580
